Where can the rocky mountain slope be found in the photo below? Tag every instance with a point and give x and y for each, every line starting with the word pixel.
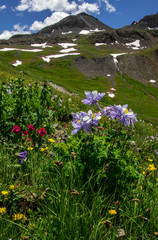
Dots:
pixel 95 43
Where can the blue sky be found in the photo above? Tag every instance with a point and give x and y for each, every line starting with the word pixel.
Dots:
pixel 28 16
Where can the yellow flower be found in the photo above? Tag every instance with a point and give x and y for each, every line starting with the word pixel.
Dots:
pixel 11 187
pixel 143 172
pixel 30 148
pixel 51 140
pixel 2 210
pixel 4 192
pixel 151 167
pixel 44 149
pixel 19 216
pixel 141 187
pixel 112 212
pixel 150 160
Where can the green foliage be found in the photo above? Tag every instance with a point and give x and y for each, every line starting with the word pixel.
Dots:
pixel 83 186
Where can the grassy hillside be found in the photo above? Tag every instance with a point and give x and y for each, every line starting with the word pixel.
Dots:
pixel 61 71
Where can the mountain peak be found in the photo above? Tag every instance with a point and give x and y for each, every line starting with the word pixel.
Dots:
pixel 74 24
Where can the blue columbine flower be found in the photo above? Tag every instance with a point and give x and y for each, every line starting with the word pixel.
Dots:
pixel 22 156
pixel 92 97
pixel 121 113
pixel 84 121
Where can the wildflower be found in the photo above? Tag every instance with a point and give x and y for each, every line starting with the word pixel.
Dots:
pixel 12 187
pixel 150 160
pixel 2 210
pixel 9 92
pixel 22 156
pixel 29 139
pixel 19 216
pixel 51 155
pixel 4 192
pixel 42 149
pixel 30 148
pixel 51 140
pixel 26 132
pixel 156 152
pixel 92 97
pixel 112 212
pixel 123 114
pixel 151 167
pixel 85 121
pixel 16 129
pixel 42 132
pixel 30 128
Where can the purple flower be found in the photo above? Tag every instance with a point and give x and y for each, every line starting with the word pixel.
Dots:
pixel 92 97
pixel 9 92
pixel 84 121
pixel 22 156
pixel 121 113
pixel 156 152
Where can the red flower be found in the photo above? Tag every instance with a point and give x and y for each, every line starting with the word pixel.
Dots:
pixel 42 132
pixel 29 139
pixel 16 129
pixel 26 132
pixel 30 127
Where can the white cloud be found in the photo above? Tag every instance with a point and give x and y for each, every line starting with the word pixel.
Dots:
pixel 87 7
pixel 109 7
pixel 55 17
pixel 57 6
pixel 52 5
pixel 2 7
pixel 17 30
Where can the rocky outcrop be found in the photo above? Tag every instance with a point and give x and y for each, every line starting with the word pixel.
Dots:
pixel 147 22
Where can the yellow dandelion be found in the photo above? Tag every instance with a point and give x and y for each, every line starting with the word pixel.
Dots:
pixel 30 148
pixel 151 167
pixel 150 160
pixel 51 140
pixel 42 149
pixel 2 210
pixel 4 192
pixel 112 212
pixel 46 148
pixel 12 187
pixel 143 172
pixel 19 216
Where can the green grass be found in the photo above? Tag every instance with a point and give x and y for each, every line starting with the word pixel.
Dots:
pixel 138 96
pixel 63 72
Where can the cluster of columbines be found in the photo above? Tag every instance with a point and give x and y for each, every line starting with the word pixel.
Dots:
pixel 86 121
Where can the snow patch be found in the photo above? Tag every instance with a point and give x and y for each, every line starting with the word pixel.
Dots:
pixel 74 39
pixel 43 45
pixel 46 59
pixel 112 95
pixel 66 32
pixel 58 56
pixel 100 44
pixel 90 31
pixel 66 45
pixel 136 43
pixel 68 50
pixel 115 55
pixel 23 50
pixel 113 89
pixel 152 81
pixel 156 28
pixel 108 75
pixel 17 63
